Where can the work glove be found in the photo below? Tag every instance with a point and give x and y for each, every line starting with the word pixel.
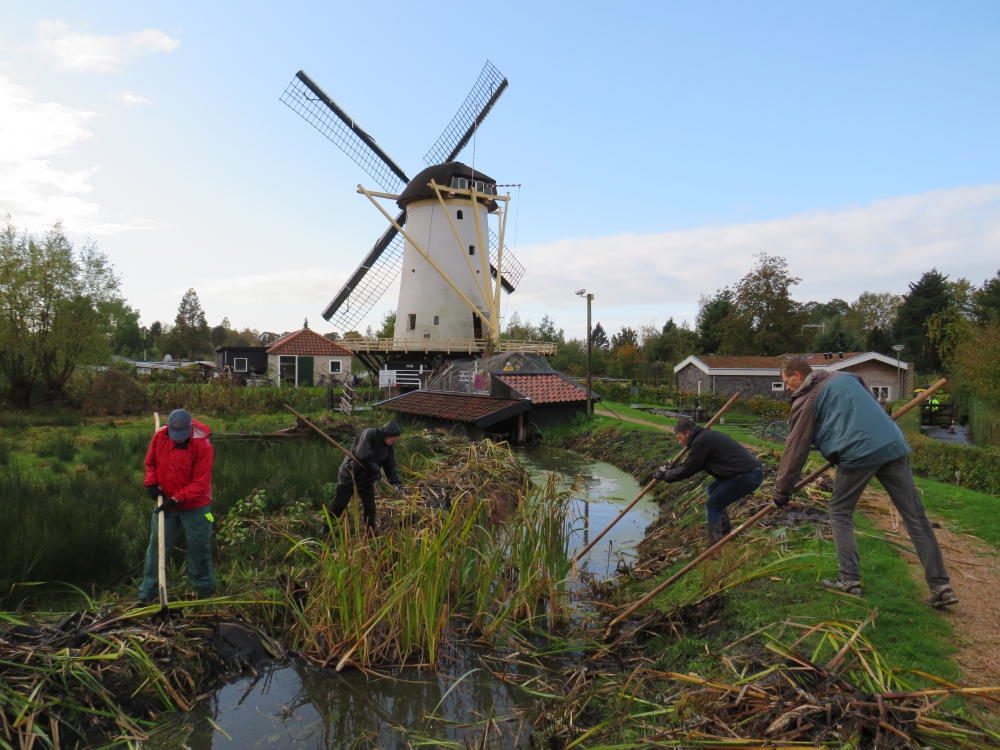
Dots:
pixel 781 500
pixel 398 488
pixel 154 492
pixel 660 475
pixel 168 505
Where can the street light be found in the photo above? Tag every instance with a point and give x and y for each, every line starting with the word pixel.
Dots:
pixel 899 373
pixel 590 298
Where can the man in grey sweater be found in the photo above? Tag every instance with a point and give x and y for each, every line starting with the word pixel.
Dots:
pixel 836 412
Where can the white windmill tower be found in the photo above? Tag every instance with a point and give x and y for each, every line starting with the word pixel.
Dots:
pixel 454 265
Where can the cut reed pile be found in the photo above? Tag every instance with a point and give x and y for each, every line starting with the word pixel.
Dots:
pixel 476 539
pixel 781 695
pixel 96 678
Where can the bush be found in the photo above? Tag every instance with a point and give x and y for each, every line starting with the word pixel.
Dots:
pixel 114 395
pixel 220 399
pixel 973 468
pixel 62 447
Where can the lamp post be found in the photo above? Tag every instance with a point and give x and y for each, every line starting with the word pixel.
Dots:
pixel 899 373
pixel 590 298
pixel 143 329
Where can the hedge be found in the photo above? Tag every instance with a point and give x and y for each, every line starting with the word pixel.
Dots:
pixel 968 466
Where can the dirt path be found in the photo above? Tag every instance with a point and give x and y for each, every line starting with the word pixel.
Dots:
pixel 633 420
pixel 974 567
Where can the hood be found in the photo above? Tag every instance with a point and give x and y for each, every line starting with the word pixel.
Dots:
pixel 199 430
pixel 390 429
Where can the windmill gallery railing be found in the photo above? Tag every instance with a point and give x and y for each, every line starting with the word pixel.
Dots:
pixel 448 346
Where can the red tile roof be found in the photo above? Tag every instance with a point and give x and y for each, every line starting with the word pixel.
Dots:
pixel 544 388
pixel 307 343
pixel 458 407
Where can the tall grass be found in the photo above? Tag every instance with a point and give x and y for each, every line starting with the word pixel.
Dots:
pixel 220 399
pixel 389 599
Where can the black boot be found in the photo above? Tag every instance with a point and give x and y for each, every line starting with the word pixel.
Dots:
pixel 726 525
pixel 715 533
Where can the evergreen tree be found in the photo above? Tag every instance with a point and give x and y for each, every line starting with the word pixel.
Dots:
pixel 191 327
pixel 599 337
pixel 625 337
pixel 218 335
pixel 926 298
pixel 712 311
pixel 547 331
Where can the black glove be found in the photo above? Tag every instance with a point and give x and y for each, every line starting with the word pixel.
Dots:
pixel 154 492
pixel 398 488
pixel 660 475
pixel 781 500
pixel 168 505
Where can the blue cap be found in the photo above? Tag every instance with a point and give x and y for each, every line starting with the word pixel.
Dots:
pixel 179 425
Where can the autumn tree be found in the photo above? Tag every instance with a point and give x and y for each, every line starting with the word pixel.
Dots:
pixel 764 319
pixel 191 326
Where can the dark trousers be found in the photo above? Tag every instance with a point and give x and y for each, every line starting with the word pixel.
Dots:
pixel 366 491
pixel 197 526
pixel 724 492
pixel 897 479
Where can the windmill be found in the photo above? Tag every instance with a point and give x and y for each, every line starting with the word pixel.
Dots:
pixel 420 330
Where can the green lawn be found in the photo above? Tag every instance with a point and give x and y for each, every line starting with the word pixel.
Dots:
pixel 965 510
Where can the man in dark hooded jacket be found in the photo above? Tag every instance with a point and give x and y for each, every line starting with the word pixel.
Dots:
pixel 373 448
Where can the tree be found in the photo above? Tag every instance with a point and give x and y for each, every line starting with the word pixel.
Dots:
pixel 711 312
pixel 388 328
pixel 872 310
pixel 56 310
pixel 819 311
pixel 625 337
pixel 218 335
pixel 599 338
pixel 126 336
pixel 332 336
pixel 836 339
pixel 191 327
pixel 986 301
pixel 927 297
pixel 977 360
pixel 547 331
pixel 764 320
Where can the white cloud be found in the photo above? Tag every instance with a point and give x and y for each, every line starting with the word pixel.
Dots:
pixel 129 99
pixel 32 190
pixel 81 51
pixel 837 253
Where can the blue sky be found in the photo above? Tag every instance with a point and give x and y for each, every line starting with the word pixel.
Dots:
pixel 659 145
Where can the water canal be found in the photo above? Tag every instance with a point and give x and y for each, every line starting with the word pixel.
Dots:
pixel 295 704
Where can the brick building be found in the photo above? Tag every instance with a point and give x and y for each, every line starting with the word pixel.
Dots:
pixel 305 358
pixel 761 376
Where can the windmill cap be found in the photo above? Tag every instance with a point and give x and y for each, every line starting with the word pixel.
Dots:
pixel 179 425
pixel 417 189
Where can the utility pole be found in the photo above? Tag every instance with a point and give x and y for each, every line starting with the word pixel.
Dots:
pixel 590 344
pixel 899 373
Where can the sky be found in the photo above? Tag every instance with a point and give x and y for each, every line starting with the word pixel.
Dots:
pixel 659 146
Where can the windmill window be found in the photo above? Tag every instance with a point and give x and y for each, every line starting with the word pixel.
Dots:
pixel 480 187
pixel 427 335
pixel 459 182
pixel 412 322
pixel 472 249
pixel 459 216
pixel 437 320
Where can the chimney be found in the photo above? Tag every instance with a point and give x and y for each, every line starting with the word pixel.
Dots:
pixel 841 354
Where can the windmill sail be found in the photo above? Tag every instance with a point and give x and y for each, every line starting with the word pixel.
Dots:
pixel 304 97
pixel 488 88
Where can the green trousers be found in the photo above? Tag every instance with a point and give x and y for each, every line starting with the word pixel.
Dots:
pixel 197 525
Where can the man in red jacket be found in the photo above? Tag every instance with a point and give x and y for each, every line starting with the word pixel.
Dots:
pixel 179 468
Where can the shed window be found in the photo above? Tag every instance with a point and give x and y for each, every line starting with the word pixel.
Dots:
pixel 779 386
pixel 437 320
pixel 458 215
pixel 412 322
pixel 472 249
pixel 336 367
pixel 240 364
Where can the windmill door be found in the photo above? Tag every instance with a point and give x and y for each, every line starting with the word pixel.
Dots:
pixel 305 374
pixel 477 326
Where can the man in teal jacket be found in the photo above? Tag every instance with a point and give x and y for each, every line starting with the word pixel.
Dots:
pixel 838 414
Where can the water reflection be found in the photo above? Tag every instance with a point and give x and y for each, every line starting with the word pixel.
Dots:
pixel 299 705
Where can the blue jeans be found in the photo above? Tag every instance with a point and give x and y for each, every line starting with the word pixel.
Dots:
pixel 724 492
